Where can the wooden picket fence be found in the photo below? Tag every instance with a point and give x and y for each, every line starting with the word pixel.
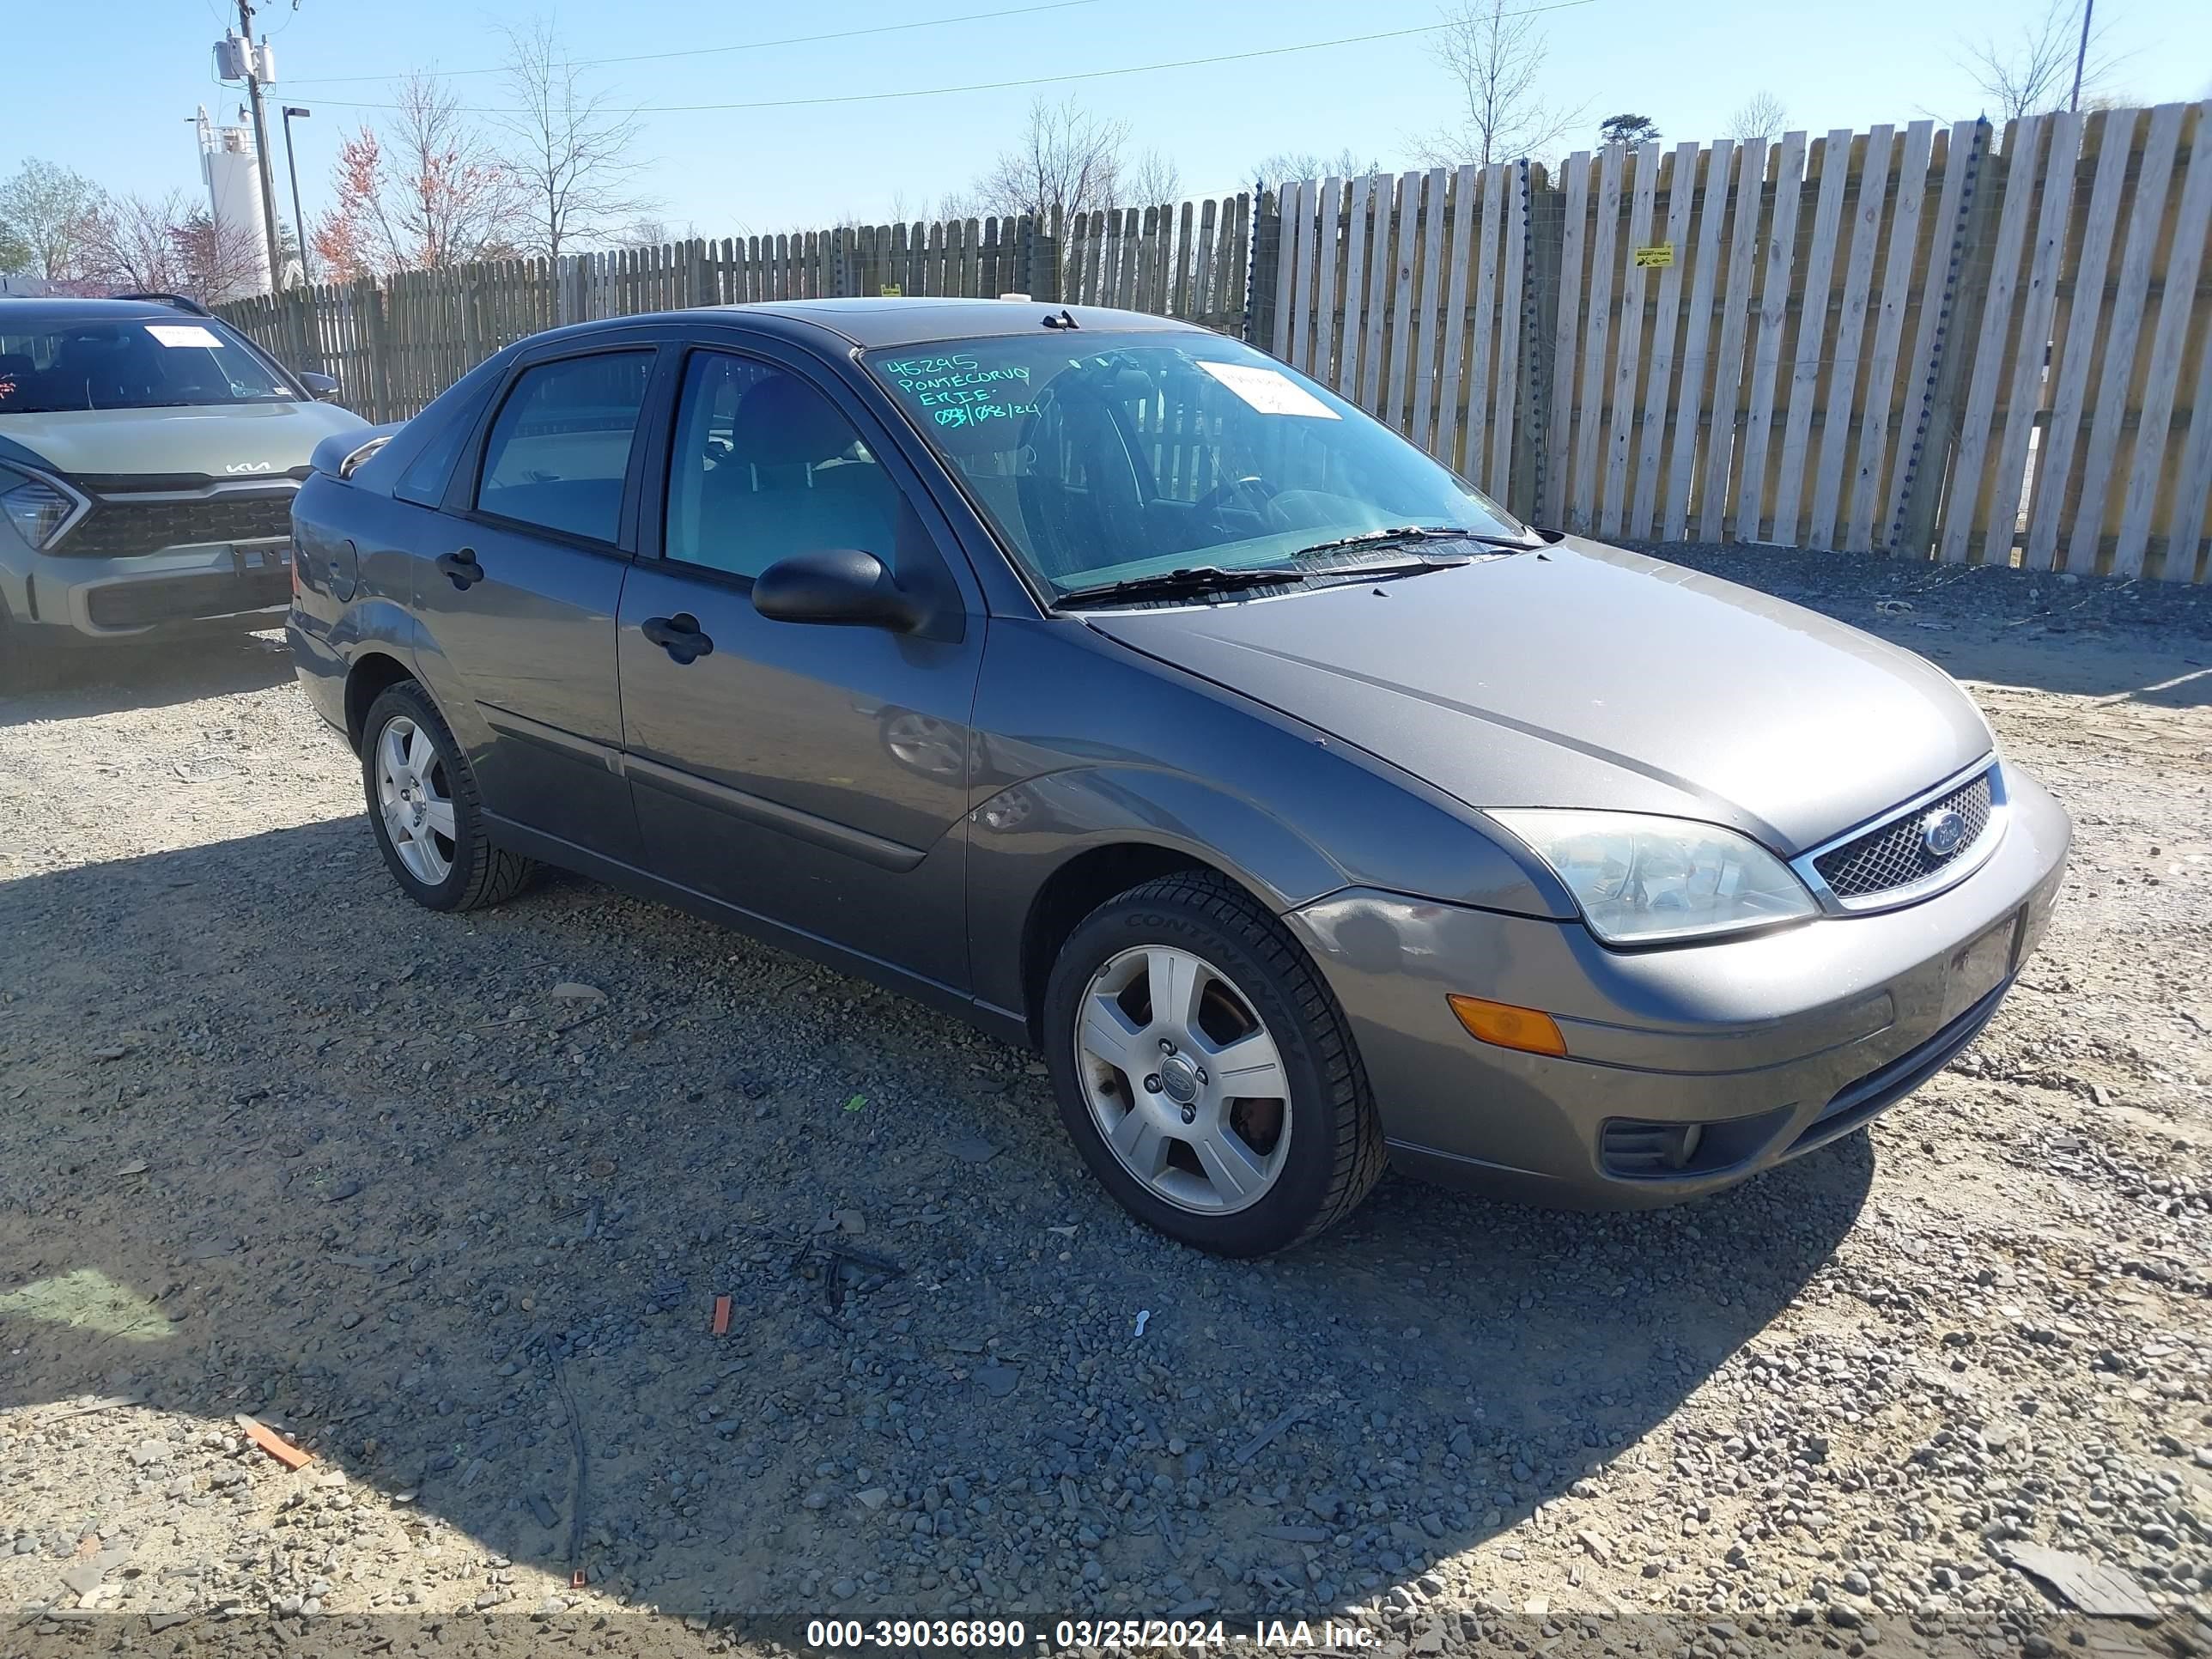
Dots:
pixel 1921 341
pixel 1935 343
pixel 395 347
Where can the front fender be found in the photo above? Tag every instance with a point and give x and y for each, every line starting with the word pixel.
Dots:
pixel 1019 838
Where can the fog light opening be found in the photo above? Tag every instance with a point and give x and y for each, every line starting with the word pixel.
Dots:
pixel 1505 1026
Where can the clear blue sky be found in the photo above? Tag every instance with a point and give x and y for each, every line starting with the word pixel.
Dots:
pixel 118 80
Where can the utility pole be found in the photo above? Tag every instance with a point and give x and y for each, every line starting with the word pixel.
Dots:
pixel 261 148
pixel 2080 56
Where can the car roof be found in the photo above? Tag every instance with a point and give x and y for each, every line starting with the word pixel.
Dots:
pixel 899 322
pixel 870 323
pixel 44 312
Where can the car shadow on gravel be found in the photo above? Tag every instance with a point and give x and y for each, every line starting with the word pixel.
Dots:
pixel 278 1143
pixel 76 682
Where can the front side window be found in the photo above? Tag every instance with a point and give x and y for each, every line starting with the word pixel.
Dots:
pixel 1104 456
pixel 559 450
pixel 62 363
pixel 764 466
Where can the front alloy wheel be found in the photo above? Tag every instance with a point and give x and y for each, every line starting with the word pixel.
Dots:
pixel 1204 1070
pixel 1183 1081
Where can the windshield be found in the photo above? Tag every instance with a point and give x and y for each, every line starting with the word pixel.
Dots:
pixel 128 362
pixel 1107 457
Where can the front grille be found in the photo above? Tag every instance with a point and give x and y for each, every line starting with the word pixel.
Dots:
pixel 1892 856
pixel 117 528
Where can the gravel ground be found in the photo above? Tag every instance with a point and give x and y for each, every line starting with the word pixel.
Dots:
pixel 450 1200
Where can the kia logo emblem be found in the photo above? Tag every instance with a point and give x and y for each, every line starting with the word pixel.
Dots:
pixel 1941 832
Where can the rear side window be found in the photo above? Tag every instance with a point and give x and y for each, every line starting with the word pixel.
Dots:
pixel 559 449
pixel 424 483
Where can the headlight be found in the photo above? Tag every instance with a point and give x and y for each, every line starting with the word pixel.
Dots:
pixel 1640 880
pixel 40 509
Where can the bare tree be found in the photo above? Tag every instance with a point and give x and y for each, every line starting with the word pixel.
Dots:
pixel 170 244
pixel 1760 116
pixel 47 213
pixel 571 152
pixel 1496 52
pixel 1151 180
pixel 1288 166
pixel 2033 72
pixel 132 242
pixel 1067 159
pixel 429 191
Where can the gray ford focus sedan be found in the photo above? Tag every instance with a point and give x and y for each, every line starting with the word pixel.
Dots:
pixel 1108 684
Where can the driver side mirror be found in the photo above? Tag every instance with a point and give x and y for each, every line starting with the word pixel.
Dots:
pixel 837 586
pixel 321 387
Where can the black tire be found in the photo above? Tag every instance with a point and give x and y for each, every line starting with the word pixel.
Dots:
pixel 1336 1153
pixel 481 873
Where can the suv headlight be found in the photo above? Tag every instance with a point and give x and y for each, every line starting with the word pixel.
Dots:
pixel 1642 880
pixel 42 509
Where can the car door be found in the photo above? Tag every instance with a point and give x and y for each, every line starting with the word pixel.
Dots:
pixel 814 775
pixel 518 596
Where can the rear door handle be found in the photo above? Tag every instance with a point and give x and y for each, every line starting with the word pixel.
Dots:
pixel 679 635
pixel 462 568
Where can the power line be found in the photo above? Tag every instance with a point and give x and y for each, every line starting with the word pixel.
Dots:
pixel 1033 81
pixel 707 52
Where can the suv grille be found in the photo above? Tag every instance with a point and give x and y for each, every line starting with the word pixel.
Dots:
pixel 1892 856
pixel 117 526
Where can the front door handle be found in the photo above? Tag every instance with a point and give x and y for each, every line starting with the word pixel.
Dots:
pixel 679 635
pixel 462 568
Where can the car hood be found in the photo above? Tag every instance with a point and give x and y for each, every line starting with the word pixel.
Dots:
pixel 220 441
pixel 1588 676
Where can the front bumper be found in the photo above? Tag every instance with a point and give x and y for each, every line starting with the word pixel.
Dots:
pixel 225 584
pixel 1772 1044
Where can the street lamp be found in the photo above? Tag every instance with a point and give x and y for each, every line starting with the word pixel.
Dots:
pixel 292 165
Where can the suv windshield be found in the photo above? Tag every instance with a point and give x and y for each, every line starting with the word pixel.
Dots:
pixel 48 364
pixel 1101 458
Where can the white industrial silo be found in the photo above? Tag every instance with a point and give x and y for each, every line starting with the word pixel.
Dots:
pixel 233 182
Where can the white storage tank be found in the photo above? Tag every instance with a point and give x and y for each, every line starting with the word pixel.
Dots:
pixel 233 182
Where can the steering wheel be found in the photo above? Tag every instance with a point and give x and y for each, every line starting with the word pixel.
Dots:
pixel 1221 493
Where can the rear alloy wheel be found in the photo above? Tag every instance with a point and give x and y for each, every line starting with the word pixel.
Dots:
pixel 422 805
pixel 1206 1072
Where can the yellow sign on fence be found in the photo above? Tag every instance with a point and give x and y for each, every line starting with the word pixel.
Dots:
pixel 1658 258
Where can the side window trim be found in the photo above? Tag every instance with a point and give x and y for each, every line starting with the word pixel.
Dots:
pixel 466 485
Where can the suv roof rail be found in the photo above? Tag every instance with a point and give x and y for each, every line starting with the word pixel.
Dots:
pixel 181 302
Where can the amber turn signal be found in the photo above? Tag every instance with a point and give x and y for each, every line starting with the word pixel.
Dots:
pixel 1508 1027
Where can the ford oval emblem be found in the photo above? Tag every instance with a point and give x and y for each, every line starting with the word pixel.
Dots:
pixel 1941 832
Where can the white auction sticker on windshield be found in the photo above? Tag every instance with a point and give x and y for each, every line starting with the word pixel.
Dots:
pixel 183 334
pixel 1269 391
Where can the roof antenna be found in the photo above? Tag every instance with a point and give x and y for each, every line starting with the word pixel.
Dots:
pixel 1065 320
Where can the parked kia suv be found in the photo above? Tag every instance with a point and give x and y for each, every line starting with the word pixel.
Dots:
pixel 148 455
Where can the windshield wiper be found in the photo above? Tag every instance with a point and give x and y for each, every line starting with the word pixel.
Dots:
pixel 1217 579
pixel 1414 532
pixel 1186 579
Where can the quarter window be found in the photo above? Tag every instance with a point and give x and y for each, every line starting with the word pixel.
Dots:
pixel 764 466
pixel 559 449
